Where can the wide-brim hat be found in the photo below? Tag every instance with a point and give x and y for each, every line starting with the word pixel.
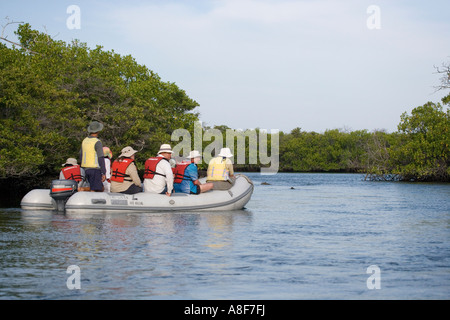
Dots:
pixel 71 161
pixel 94 127
pixel 225 152
pixel 127 152
pixel 194 154
pixel 165 148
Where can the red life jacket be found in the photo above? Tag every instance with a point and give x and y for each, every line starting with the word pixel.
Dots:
pixel 118 169
pixel 150 167
pixel 179 172
pixel 72 173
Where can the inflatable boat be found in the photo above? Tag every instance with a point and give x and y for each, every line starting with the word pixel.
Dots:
pixel 62 196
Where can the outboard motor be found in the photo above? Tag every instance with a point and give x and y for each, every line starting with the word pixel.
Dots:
pixel 61 190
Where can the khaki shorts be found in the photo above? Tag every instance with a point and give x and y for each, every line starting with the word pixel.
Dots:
pixel 221 185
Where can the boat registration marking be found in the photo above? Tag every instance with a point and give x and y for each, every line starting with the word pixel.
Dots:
pixel 119 202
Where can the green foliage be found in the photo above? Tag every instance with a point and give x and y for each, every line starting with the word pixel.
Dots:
pixel 332 151
pixel 51 90
pixel 422 152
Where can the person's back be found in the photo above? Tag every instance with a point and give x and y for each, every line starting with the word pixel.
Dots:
pixel 92 160
pixel 124 176
pixel 220 170
pixel 158 175
pixel 71 170
pixel 184 177
pixel 89 158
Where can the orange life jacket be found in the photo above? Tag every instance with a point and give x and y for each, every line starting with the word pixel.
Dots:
pixel 72 173
pixel 118 169
pixel 179 172
pixel 150 167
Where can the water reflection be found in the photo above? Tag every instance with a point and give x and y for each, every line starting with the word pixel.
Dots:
pixel 92 232
pixel 132 255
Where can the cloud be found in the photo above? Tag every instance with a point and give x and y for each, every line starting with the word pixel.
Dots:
pixel 230 23
pixel 279 64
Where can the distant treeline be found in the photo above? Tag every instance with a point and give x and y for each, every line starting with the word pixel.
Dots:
pixel 418 151
pixel 51 90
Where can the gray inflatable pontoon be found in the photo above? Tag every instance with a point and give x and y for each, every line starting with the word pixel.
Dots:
pixel 78 202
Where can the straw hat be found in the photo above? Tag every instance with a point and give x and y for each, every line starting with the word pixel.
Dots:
pixel 127 152
pixel 71 161
pixel 225 152
pixel 194 154
pixel 94 127
pixel 165 148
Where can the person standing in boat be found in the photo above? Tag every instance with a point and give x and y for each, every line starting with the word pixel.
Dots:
pixel 158 175
pixel 72 171
pixel 186 176
pixel 220 170
pixel 124 174
pixel 92 159
pixel 107 155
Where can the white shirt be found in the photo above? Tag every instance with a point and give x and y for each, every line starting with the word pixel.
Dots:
pixel 157 184
pixel 106 184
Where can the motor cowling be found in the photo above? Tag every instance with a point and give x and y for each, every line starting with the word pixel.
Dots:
pixel 61 190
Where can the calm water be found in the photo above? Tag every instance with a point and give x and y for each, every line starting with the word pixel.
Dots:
pixel 315 241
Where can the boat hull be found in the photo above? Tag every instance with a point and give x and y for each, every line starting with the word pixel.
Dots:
pixel 38 199
pixel 233 199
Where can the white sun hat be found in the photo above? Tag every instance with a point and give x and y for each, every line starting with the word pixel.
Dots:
pixel 225 152
pixel 165 148
pixel 194 154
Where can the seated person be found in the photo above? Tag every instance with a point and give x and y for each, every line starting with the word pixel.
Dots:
pixel 220 170
pixel 158 175
pixel 72 171
pixel 186 176
pixel 124 174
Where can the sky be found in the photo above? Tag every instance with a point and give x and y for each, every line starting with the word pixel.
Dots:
pixel 269 64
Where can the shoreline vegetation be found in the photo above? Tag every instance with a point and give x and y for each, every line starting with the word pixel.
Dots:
pixel 50 90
